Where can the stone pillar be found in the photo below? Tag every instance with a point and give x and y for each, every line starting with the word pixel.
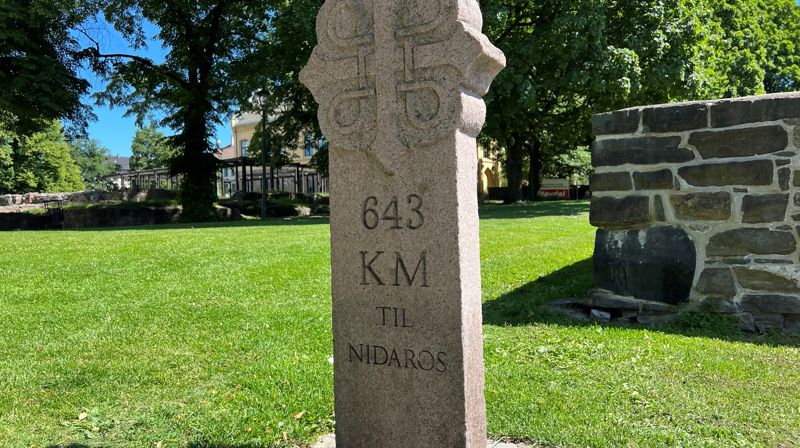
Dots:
pixel 399 86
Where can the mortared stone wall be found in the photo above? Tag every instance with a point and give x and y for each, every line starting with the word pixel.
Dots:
pixel 698 205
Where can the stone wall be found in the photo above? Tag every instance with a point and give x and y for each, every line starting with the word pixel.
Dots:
pixel 698 205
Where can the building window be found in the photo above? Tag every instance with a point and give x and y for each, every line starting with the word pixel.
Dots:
pixel 243 145
pixel 309 145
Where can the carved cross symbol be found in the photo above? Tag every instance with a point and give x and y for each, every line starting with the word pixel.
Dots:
pixel 406 71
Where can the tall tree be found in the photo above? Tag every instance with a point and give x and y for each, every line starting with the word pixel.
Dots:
pixel 202 78
pixel 39 65
pixel 94 162
pixel 150 149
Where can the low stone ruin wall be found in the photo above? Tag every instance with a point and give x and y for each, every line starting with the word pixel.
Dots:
pixel 698 205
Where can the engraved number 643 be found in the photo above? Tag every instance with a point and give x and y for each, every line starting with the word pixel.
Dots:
pixel 371 216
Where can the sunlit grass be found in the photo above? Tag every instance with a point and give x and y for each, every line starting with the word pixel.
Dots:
pixel 219 336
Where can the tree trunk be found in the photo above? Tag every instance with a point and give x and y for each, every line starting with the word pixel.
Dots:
pixel 535 171
pixel 198 166
pixel 514 159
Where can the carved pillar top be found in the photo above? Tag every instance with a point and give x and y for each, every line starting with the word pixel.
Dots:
pixel 389 73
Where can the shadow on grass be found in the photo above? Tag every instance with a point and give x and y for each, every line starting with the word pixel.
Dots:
pixel 525 306
pixel 534 209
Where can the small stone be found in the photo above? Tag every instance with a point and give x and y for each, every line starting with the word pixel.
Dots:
pixel 757 173
pixel 702 206
pixel 784 178
pixel 717 282
pixel 620 181
pixel 764 208
pixel 796 200
pixel 751 241
pixel 782 162
pixel 746 322
pixel 639 151
pixel 744 142
pixel 661 215
pixel 768 322
pixel 766 303
pixel 796 182
pixel 619 122
pixel 608 300
pixel 740 190
pixel 675 118
pixel 629 211
pixel 773 261
pixel 759 280
pixel 654 180
pixel 602 316
pixel 718 305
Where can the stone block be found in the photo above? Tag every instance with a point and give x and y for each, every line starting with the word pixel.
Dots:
pixel 654 180
pixel 744 142
pixel 759 280
pixel 702 206
pixel 755 173
pixel 658 204
pixel 717 282
pixel 656 264
pixel 746 322
pixel 620 181
pixel 619 122
pixel 755 110
pixel 784 177
pixel 791 323
pixel 765 208
pixel 639 151
pixel 608 300
pixel 796 181
pixel 630 211
pixel 751 241
pixel 675 118
pixel 768 322
pixel 770 304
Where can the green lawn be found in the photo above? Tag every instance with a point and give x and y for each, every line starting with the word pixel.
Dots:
pixel 219 336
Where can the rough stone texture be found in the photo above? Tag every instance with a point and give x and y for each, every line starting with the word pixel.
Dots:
pixel 654 180
pixel 765 281
pixel 657 266
pixel 732 189
pixel 784 177
pixel 639 151
pixel 755 110
pixel 740 142
pixel 751 241
pixel 619 122
pixel 609 212
pixel 676 118
pixel 329 441
pixel 792 323
pixel 766 304
pixel 619 181
pixel 702 206
pixel 399 87
pixel 757 172
pixel 717 283
pixel 764 208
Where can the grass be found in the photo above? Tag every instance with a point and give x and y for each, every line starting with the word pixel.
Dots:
pixel 218 336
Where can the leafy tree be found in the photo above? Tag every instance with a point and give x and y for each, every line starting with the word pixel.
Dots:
pixel 205 74
pixel 94 162
pixel 40 162
pixel 150 149
pixel 39 64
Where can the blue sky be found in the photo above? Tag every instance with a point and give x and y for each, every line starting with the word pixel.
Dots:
pixel 112 129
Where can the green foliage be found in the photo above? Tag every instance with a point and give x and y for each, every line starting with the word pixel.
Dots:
pixel 41 162
pixel 94 162
pixel 208 70
pixel 150 149
pixel 39 64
